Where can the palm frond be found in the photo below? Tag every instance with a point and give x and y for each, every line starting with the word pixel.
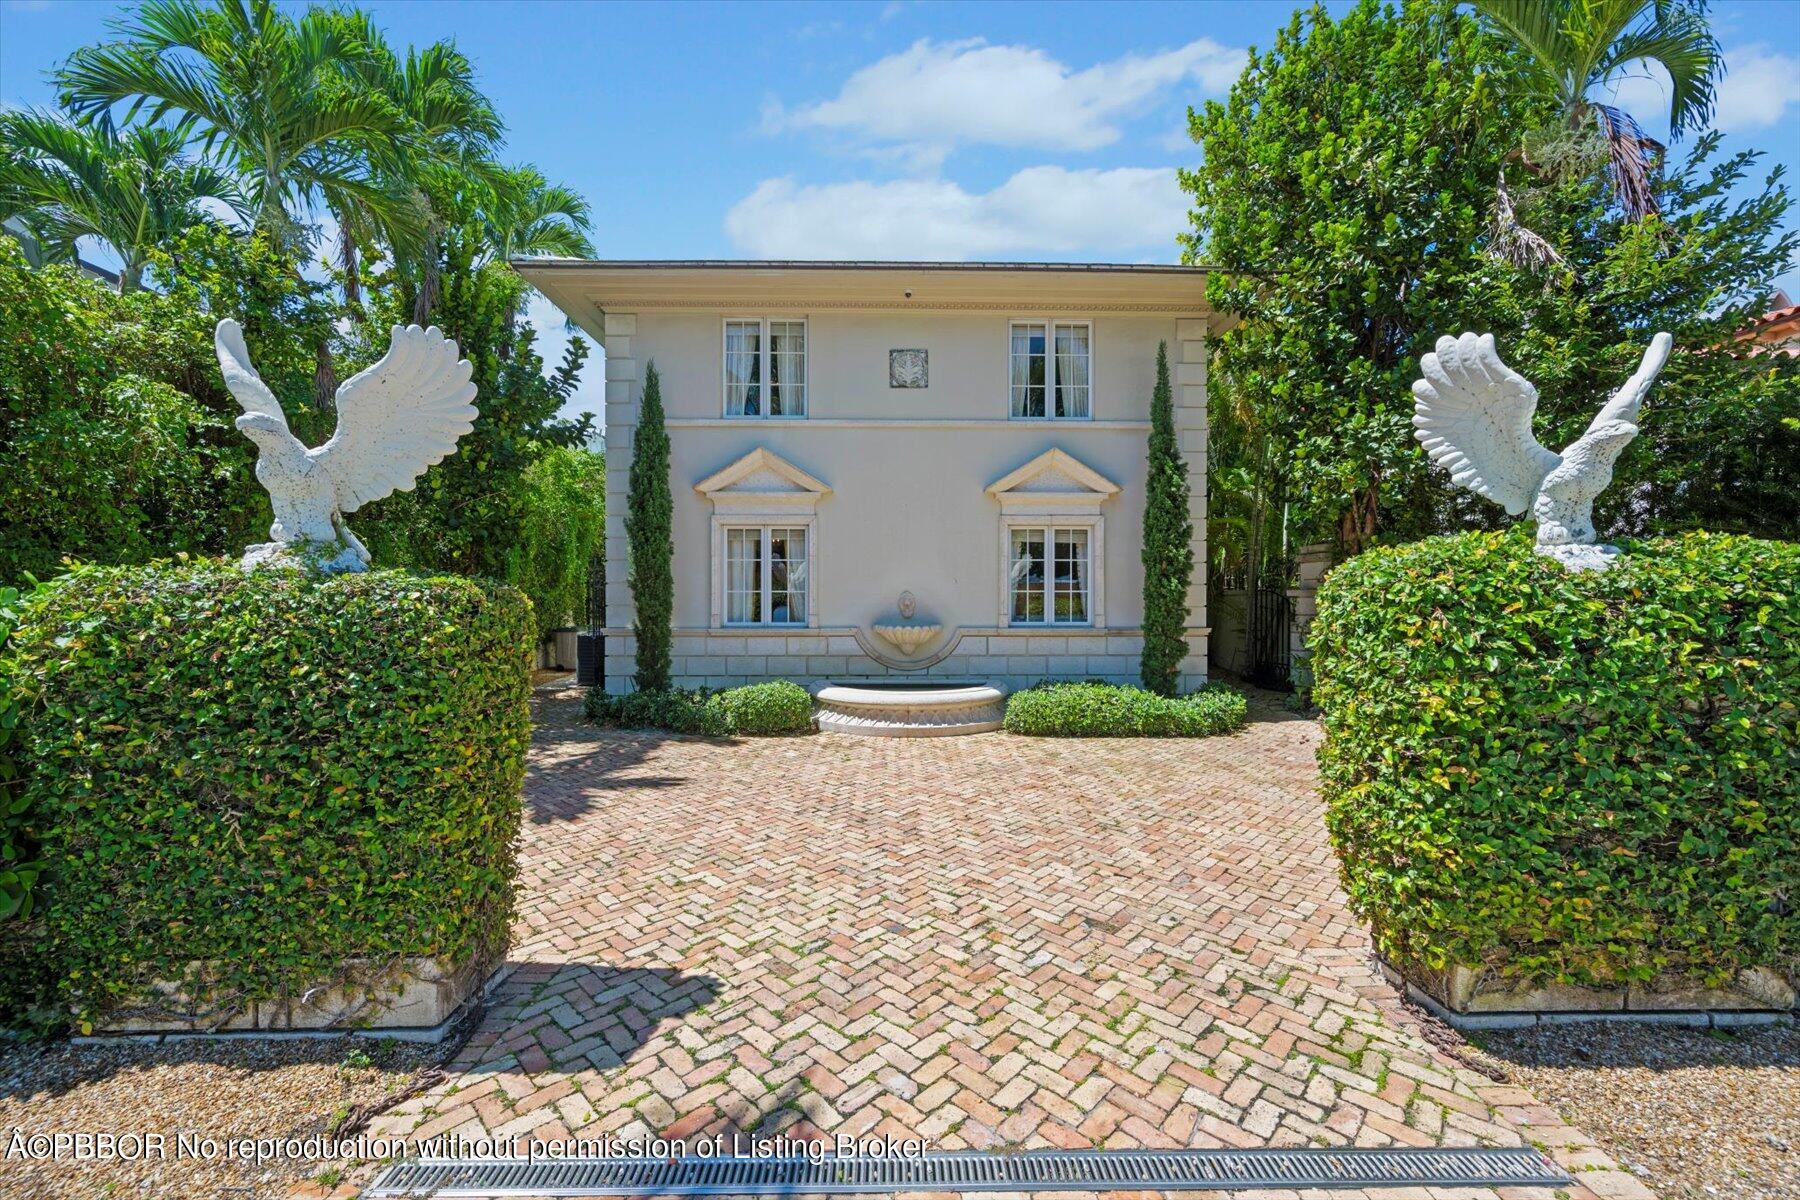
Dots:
pixel 1684 47
pixel 1536 27
pixel 1632 161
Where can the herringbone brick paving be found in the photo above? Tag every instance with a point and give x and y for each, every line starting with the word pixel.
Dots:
pixel 984 941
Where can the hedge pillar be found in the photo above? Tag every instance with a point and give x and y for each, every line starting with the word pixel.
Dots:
pixel 1168 543
pixel 649 511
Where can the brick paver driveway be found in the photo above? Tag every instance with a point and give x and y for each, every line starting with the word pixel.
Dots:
pixel 984 941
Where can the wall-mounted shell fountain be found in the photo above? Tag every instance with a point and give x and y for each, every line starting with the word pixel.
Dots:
pixel 907 635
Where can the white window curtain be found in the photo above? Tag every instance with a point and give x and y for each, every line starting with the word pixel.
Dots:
pixel 1051 369
pixel 743 368
pixel 766 576
pixel 787 577
pixel 743 576
pixel 1072 370
pixel 765 368
pixel 1048 576
pixel 1028 370
pixel 787 368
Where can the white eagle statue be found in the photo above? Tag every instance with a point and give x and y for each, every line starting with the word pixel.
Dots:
pixel 395 419
pixel 1472 413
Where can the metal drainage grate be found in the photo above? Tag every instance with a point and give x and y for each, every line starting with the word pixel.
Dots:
pixel 1084 1170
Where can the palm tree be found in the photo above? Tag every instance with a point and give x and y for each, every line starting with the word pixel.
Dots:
pixel 131 190
pixel 530 216
pixel 525 215
pixel 311 110
pixel 1570 48
pixel 279 99
pixel 455 130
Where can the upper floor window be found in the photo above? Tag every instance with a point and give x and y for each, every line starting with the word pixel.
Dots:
pixel 765 368
pixel 1051 368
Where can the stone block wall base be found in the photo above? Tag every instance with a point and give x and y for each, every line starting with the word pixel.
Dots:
pixel 422 1000
pixel 1468 999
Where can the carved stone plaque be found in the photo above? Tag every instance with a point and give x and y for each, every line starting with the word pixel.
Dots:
pixel 909 369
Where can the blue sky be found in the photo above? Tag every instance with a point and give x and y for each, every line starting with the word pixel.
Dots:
pixel 884 130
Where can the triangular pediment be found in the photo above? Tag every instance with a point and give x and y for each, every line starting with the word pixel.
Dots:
pixel 761 473
pixel 1054 473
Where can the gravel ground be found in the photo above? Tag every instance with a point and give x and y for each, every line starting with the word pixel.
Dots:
pixel 219 1090
pixel 1696 1114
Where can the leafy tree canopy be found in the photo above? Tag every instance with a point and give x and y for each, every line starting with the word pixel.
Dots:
pixel 1344 200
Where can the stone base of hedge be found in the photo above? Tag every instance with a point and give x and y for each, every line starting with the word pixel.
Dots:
pixel 418 996
pixel 1472 999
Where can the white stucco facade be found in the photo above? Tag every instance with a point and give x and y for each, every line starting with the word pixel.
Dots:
pixel 906 472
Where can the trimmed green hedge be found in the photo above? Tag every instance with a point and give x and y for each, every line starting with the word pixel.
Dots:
pixel 1577 777
pixel 760 708
pixel 1111 710
pixel 269 773
pixel 778 707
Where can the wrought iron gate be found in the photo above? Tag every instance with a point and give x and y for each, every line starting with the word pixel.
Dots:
pixel 1271 623
pixel 590 643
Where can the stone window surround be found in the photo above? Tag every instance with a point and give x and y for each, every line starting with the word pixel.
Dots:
pixel 794 506
pixel 1066 509
pixel 765 353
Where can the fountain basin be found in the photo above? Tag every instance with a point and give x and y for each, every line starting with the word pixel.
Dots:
pixel 909 639
pixel 881 709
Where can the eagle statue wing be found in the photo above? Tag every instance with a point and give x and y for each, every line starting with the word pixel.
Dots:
pixel 253 395
pixel 1472 413
pixel 398 417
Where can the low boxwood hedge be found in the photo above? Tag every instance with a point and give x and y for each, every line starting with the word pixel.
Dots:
pixel 268 773
pixel 1569 777
pixel 1113 710
pixel 778 707
pixel 757 709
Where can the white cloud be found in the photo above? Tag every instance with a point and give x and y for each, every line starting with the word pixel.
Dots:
pixel 1039 211
pixel 1759 85
pixel 943 94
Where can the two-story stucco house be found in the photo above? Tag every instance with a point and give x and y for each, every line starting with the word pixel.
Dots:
pixel 861 451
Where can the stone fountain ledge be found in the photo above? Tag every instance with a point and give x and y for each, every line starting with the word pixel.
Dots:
pixel 937 709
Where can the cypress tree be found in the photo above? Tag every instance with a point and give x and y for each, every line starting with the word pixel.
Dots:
pixel 649 510
pixel 1168 542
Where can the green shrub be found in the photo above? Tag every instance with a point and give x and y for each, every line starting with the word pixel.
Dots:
pixel 779 707
pixel 269 773
pixel 18 858
pixel 760 708
pixel 562 525
pixel 1110 710
pixel 1578 777
pixel 677 710
pixel 116 442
